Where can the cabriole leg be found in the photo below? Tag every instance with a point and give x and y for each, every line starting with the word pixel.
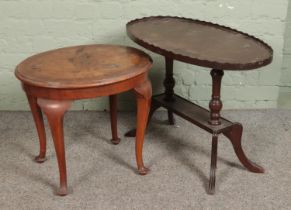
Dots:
pixel 38 120
pixel 143 95
pixel 55 111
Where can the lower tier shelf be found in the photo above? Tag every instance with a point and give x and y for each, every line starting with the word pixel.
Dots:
pixel 193 113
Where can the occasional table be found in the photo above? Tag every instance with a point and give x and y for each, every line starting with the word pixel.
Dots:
pixel 209 45
pixel 53 79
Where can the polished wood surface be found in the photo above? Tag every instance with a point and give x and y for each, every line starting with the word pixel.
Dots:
pixel 200 43
pixel 83 66
pixel 208 45
pixel 54 79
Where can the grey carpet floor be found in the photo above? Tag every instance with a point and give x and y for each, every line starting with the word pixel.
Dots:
pixel 103 176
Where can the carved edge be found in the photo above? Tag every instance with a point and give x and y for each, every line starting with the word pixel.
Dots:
pixel 205 63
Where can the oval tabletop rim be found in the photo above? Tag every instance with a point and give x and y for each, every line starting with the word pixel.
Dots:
pixel 197 61
pixel 98 82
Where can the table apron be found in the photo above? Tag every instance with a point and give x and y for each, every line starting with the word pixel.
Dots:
pixel 84 93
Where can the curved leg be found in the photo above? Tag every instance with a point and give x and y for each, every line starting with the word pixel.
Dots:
pixel 38 120
pixel 234 135
pixel 113 119
pixel 211 189
pixel 143 96
pixel 55 111
pixel 154 107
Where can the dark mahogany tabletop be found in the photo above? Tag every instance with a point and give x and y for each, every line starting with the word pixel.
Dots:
pixel 201 43
pixel 83 66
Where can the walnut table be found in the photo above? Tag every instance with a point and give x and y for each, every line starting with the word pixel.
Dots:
pixel 208 45
pixel 53 79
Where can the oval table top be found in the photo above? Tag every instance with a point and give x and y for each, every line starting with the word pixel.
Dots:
pixel 83 66
pixel 201 43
